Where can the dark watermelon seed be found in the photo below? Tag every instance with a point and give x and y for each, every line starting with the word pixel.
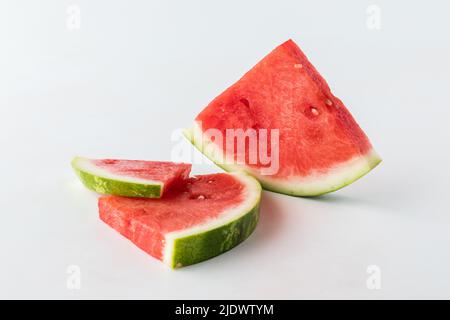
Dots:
pixel 245 102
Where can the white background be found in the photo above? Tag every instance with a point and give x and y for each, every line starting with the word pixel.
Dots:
pixel 137 70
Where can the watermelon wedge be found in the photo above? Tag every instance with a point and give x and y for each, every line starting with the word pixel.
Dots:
pixel 313 144
pixel 203 218
pixel 130 178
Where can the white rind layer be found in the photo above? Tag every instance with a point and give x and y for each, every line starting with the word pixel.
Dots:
pixel 314 184
pixel 252 196
pixel 86 165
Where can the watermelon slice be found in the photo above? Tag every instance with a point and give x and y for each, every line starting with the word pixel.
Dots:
pixel 204 217
pixel 130 178
pixel 314 142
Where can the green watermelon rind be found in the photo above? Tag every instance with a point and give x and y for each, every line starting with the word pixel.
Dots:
pixel 215 237
pixel 342 176
pixel 348 175
pixel 98 182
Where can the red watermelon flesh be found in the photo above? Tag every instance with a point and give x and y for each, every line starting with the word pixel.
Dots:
pixel 165 172
pixel 153 224
pixel 321 147
pixel 130 178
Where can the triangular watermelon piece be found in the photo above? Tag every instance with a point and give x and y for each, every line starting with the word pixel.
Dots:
pixel 317 146
pixel 130 178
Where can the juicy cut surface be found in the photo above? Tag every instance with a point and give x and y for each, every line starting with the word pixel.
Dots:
pixel 146 221
pixel 167 172
pixel 285 92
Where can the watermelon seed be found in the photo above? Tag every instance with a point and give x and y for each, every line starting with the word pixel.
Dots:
pixel 201 197
pixel 328 102
pixel 314 111
pixel 298 66
pixel 245 102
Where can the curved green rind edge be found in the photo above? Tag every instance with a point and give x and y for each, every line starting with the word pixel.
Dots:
pixel 199 247
pixel 372 162
pixel 108 186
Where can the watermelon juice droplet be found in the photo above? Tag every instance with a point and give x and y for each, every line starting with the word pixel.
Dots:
pixel 314 111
